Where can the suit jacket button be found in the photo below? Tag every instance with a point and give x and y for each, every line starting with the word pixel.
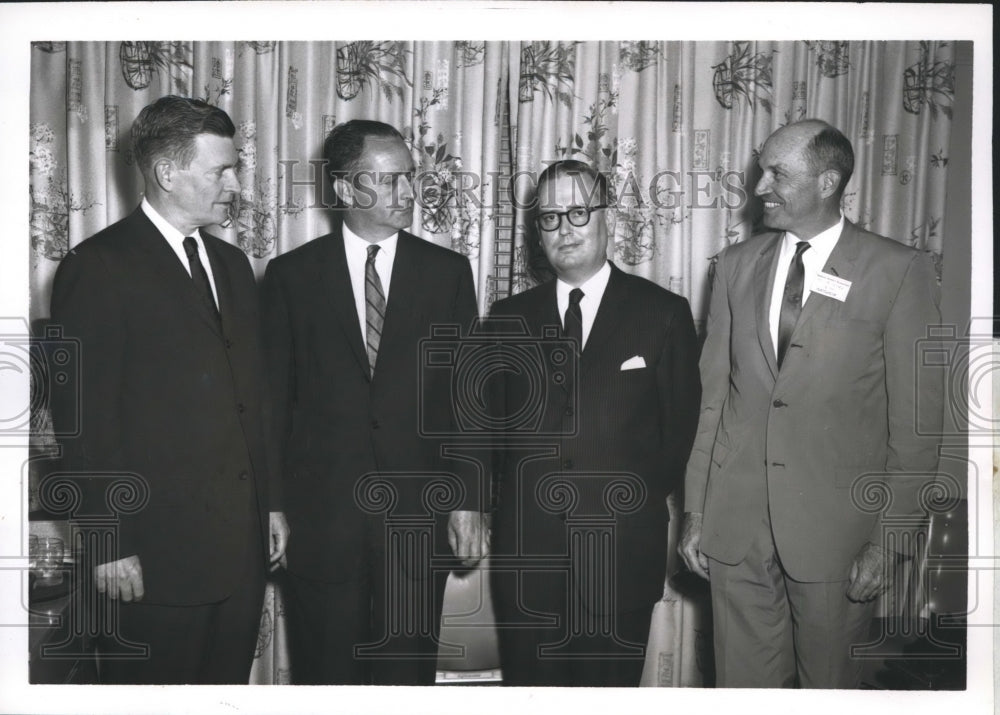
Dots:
pixel 779 403
pixel 244 476
pixel 229 343
pixel 241 408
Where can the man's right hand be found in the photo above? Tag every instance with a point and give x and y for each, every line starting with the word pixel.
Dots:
pixel 120 578
pixel 690 546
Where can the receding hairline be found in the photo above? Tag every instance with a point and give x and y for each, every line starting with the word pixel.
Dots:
pixel 561 171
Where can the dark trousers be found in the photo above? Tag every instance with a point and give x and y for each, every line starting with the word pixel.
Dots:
pixel 548 636
pixel 378 626
pixel 204 644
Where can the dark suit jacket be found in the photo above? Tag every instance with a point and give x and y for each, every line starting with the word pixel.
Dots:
pixel 636 425
pixel 166 395
pixel 336 424
pixel 843 404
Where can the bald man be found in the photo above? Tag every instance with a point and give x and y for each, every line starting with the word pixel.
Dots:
pixel 809 381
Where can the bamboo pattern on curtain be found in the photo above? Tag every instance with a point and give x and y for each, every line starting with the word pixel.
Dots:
pixel 677 126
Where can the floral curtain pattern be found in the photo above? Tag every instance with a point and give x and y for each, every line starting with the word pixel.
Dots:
pixel 677 127
pixel 284 97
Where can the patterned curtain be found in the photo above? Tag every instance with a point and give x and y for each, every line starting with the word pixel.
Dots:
pixel 676 125
pixel 284 97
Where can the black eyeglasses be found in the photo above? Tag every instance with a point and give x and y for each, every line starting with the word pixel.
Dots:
pixel 577 216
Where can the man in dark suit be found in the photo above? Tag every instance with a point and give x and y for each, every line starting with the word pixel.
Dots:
pixel 810 373
pixel 171 391
pixel 345 315
pixel 580 533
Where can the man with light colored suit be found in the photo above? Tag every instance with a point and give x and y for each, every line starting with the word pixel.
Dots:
pixel 580 532
pixel 810 378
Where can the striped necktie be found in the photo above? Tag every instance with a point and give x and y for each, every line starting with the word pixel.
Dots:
pixel 374 308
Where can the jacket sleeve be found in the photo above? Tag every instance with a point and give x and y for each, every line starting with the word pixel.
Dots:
pixel 87 307
pixel 465 312
pixel 914 391
pixel 679 385
pixel 279 375
pixel 714 368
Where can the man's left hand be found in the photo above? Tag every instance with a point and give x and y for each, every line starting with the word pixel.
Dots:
pixel 468 536
pixel 279 538
pixel 870 575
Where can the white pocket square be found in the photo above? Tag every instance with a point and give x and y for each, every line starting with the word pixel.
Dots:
pixel 634 363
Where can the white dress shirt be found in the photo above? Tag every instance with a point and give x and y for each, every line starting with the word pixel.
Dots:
pixel 820 247
pixel 593 291
pixel 176 241
pixel 356 249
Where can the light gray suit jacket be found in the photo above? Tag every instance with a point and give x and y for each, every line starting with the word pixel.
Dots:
pixel 843 405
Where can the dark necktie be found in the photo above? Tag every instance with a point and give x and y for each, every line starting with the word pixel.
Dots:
pixel 791 300
pixel 573 320
pixel 200 277
pixel 374 308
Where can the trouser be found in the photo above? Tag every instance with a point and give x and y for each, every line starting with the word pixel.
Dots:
pixel 203 644
pixel 378 626
pixel 774 632
pixel 548 636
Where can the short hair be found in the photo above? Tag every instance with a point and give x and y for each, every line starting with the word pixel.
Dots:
pixel 573 167
pixel 830 149
pixel 345 144
pixel 168 127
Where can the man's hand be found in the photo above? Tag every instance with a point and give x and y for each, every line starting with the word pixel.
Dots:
pixel 120 578
pixel 870 575
pixel 469 536
pixel 279 538
pixel 690 546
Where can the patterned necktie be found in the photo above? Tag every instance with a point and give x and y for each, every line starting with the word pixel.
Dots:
pixel 573 320
pixel 791 300
pixel 200 277
pixel 374 308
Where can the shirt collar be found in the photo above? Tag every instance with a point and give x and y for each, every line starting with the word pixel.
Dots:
pixel 820 244
pixel 355 245
pixel 167 229
pixel 593 288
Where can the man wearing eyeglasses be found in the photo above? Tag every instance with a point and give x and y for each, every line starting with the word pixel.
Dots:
pixel 580 531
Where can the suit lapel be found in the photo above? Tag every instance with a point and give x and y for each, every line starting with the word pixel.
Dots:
pixel 223 281
pixel 405 292
pixel 547 315
pixel 334 283
pixel 841 263
pixel 166 265
pixel 608 319
pixel 765 268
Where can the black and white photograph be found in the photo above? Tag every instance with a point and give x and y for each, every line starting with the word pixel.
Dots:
pixel 443 374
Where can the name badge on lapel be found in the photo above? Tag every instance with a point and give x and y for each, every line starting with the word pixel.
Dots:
pixel 831 286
